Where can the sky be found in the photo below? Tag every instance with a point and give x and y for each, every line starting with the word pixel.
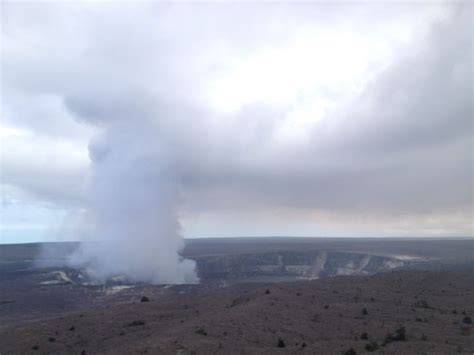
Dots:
pixel 243 118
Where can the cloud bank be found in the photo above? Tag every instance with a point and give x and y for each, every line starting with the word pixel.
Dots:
pixel 237 119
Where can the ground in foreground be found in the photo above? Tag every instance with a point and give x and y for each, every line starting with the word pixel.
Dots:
pixel 409 312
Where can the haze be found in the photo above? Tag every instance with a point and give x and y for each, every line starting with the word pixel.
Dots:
pixel 243 119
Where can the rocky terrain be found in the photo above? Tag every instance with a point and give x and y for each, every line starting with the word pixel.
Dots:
pixel 404 312
pixel 345 297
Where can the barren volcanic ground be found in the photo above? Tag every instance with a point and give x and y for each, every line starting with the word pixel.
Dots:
pixel 404 312
pixel 347 296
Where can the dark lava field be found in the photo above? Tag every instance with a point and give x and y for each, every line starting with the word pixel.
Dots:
pixel 255 297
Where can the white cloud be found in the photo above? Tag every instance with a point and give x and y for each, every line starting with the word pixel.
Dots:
pixel 343 109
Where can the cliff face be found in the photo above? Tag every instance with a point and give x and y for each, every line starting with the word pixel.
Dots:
pixel 292 265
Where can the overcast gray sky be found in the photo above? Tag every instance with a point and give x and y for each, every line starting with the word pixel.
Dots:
pixel 312 119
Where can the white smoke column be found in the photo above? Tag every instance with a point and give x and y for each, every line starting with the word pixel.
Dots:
pixel 133 204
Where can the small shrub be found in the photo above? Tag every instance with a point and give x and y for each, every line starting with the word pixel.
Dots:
pixel 400 334
pixel 372 346
pixel 201 331
pixel 424 337
pixel 136 323
pixel 422 304
pixel 467 320
pixel 326 306
pixel 51 339
pixel 364 311
pixel 351 351
pixel 267 292
pixel 35 347
pixel 281 343
pixel 364 336
pixel 72 328
pixel 144 299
